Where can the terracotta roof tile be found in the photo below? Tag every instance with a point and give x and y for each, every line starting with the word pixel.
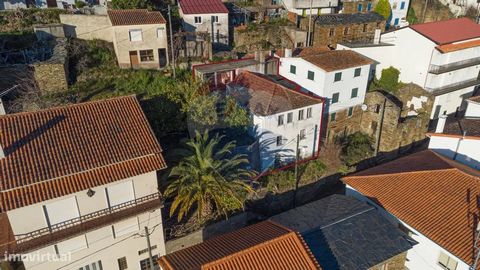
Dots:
pixel 475 99
pixel 267 95
pixel 135 17
pixel 458 46
pixel 434 195
pixel 202 7
pixel 59 151
pixel 337 60
pixel 449 31
pixel 262 246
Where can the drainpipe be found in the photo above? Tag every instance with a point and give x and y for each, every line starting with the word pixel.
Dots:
pixel 458 145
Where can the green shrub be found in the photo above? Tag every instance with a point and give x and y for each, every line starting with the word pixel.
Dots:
pixel 80 4
pixel 235 115
pixel 383 8
pixel 389 80
pixel 411 16
pixel 356 147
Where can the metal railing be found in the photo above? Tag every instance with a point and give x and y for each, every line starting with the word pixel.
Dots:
pixel 20 238
pixel 439 69
pixel 453 87
pixel 314 3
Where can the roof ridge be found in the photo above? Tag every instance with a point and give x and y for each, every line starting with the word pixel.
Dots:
pixel 66 106
pixel 397 173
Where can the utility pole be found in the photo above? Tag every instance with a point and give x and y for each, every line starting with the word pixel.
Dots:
pixel 297 180
pixel 171 41
pixel 150 257
pixel 309 35
pixel 379 129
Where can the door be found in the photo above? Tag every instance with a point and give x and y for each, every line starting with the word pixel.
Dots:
pixel 52 3
pixel 162 57
pixel 134 59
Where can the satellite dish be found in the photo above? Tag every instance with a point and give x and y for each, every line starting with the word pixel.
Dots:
pixel 364 107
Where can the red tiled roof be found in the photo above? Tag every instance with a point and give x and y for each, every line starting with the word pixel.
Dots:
pixel 59 151
pixel 475 99
pixel 458 46
pixel 434 195
pixel 337 60
pixel 449 31
pixel 135 17
pixel 202 7
pixel 266 96
pixel 262 246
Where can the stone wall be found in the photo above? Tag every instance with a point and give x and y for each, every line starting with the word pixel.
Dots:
pixel 261 36
pixel 51 75
pixel 354 33
pixel 405 120
pixel 350 7
pixel 343 124
pixel 395 263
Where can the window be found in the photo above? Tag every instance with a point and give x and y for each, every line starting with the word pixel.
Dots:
pixel 402 5
pixel 304 13
pixel 359 7
pixel 369 6
pixel 354 93
pixel 146 55
pixel 160 32
pixel 293 69
pixel 333 116
pixel 135 35
pixel 145 250
pixel 300 115
pixel 345 31
pixel 396 22
pixel 198 20
pixel 280 120
pixel 93 266
pixel 332 32
pixel 358 72
pixel 338 76
pixel 335 97
pixel 215 19
pixel 279 140
pixel 365 28
pixel 290 117
pixel 145 264
pixel 447 262
pixel 350 112
pixel 122 263
pixel 311 75
pixel 377 108
pixel 303 134
pixel 309 113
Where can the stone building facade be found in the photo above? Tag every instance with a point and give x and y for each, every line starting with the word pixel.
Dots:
pixel 328 30
pixel 405 120
pixel 357 6
pixel 343 124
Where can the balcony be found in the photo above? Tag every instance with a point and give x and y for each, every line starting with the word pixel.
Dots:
pixel 77 226
pixel 453 87
pixel 306 3
pixel 435 69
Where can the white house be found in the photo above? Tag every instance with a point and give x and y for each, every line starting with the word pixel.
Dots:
pixel 341 77
pixel 432 198
pixel 280 113
pixel 442 57
pixel 79 187
pixel 303 7
pixel 207 16
pixel 459 138
pixel 399 13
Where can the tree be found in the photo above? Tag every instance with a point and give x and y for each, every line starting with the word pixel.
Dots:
pixel 390 79
pixel 411 16
pixel 356 147
pixel 235 115
pixel 208 177
pixel 203 113
pixel 383 8
pixel 130 4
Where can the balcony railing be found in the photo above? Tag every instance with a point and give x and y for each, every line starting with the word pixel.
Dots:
pixel 439 69
pixel 85 223
pixel 453 87
pixel 306 3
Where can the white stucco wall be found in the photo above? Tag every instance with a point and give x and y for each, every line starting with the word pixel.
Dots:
pixel 473 109
pixel 398 12
pixel 422 256
pixel 14 4
pixel 100 243
pixel 468 149
pixel 221 27
pixel 451 101
pixel 87 27
pixel 324 85
pixel 267 130
pixel 301 7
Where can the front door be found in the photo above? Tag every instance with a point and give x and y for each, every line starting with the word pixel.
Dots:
pixel 162 57
pixel 134 59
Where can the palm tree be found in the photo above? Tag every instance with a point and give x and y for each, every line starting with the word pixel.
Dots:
pixel 209 178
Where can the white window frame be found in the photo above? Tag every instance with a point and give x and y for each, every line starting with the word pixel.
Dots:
pixel 160 32
pixel 215 19
pixel 136 37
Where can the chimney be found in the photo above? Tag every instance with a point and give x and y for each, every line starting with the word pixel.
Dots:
pixel 441 124
pixel 288 52
pixel 376 37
